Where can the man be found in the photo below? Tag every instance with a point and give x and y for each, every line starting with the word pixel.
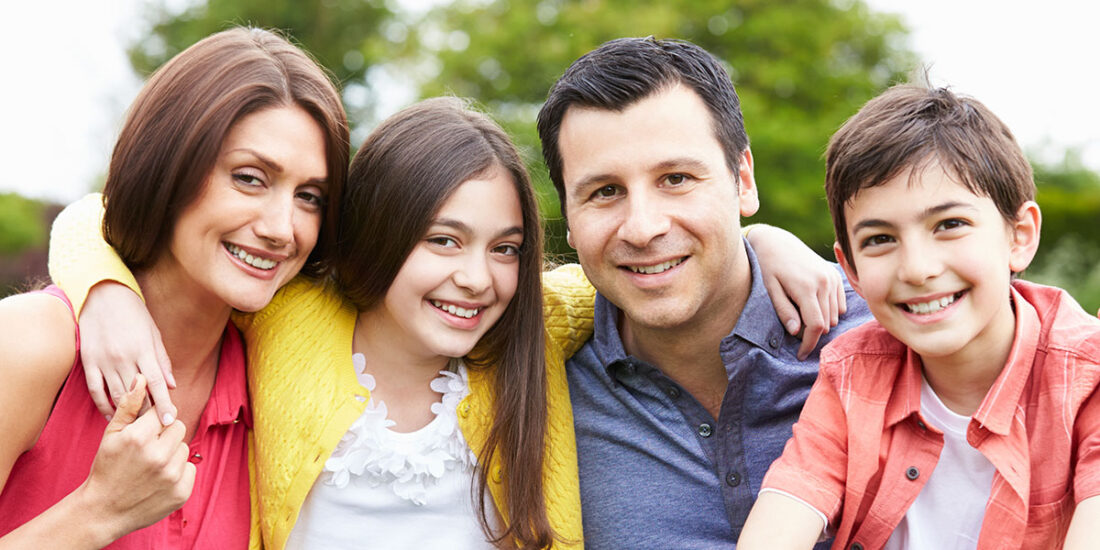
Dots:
pixel 689 386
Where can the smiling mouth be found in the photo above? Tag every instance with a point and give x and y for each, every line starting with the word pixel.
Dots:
pixel 654 269
pixel 258 263
pixel 925 308
pixel 455 310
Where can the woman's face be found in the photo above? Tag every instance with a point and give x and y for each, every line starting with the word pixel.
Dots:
pixel 458 280
pixel 258 215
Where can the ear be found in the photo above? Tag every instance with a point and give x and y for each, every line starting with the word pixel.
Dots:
pixel 1024 236
pixel 746 186
pixel 849 269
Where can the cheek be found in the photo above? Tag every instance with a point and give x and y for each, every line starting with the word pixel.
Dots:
pixel 307 231
pixel 506 279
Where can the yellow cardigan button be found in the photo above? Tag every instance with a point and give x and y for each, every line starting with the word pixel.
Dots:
pixel 464 409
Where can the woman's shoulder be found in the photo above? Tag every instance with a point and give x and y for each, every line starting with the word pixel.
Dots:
pixel 38 343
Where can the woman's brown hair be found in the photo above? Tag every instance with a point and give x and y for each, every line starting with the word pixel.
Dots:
pixel 176 126
pixel 401 176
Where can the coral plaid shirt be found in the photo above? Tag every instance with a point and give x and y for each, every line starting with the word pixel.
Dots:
pixel 861 452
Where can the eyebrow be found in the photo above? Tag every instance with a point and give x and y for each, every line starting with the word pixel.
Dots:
pixel 270 162
pixel 464 228
pixel 678 163
pixel 928 212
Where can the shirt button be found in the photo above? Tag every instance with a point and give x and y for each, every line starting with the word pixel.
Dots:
pixel 672 391
pixel 912 473
pixel 920 424
pixel 628 369
pixel 464 409
pixel 773 342
pixel 705 429
pixel 856 546
pixel 184 522
pixel 195 458
pixel 733 479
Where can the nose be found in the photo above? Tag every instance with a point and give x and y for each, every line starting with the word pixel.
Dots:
pixel 275 223
pixel 919 263
pixel 645 219
pixel 473 273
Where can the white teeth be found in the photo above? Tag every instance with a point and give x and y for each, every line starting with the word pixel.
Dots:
pixel 455 310
pixel 259 263
pixel 659 268
pixel 930 307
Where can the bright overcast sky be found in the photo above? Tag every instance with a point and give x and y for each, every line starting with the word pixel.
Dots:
pixel 67 80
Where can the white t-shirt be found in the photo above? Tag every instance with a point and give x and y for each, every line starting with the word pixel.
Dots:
pixel 948 512
pixel 390 490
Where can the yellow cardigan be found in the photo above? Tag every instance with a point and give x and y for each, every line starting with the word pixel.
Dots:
pixel 304 390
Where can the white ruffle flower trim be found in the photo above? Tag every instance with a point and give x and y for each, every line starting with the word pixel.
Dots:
pixel 370 453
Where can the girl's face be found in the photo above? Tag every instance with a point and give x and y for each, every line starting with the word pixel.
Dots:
pixel 460 277
pixel 258 215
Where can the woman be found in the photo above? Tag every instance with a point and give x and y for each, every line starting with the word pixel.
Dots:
pixel 234 145
pixel 437 291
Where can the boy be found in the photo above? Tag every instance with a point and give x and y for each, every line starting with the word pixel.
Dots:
pixel 966 415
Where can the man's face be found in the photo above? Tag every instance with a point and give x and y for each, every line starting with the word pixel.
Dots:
pixel 653 208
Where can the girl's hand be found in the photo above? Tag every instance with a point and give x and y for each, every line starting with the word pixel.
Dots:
pixel 118 339
pixel 140 473
pixel 807 291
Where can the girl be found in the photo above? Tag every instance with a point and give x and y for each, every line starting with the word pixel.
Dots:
pixel 234 145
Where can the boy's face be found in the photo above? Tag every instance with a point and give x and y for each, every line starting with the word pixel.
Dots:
pixel 933 261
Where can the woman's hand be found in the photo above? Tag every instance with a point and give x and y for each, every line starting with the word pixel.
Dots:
pixel 140 473
pixel 807 291
pixel 118 339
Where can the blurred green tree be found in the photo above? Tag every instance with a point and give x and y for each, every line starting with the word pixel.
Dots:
pixel 21 224
pixel 346 36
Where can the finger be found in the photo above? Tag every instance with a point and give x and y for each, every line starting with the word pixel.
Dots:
pixel 834 306
pixel 158 389
pixel 128 406
pixel 163 360
pixel 173 433
pixel 96 388
pixel 841 298
pixel 116 387
pixel 810 336
pixel 784 308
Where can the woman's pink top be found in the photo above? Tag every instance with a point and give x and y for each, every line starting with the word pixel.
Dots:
pixel 217 513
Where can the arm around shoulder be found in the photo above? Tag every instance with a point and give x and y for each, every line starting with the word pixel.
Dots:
pixel 568 305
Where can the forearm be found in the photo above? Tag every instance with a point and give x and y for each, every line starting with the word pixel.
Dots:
pixel 780 522
pixel 71 524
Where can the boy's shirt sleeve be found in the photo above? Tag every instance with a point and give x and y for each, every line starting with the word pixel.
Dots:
pixel 79 257
pixel 1086 477
pixel 814 464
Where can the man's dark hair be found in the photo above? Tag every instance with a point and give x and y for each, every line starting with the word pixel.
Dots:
pixel 624 71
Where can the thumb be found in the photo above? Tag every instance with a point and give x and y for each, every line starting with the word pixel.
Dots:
pixel 129 407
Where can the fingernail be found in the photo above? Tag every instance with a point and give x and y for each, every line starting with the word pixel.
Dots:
pixel 108 417
pixel 792 326
pixel 167 419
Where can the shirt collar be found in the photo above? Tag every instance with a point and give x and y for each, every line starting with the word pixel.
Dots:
pixel 999 405
pixel 758 324
pixel 228 403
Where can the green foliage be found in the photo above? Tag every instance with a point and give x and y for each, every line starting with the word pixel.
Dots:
pixel 1073 263
pixel 345 36
pixel 801 68
pixel 21 224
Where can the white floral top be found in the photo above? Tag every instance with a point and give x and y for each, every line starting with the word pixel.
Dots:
pixel 401 490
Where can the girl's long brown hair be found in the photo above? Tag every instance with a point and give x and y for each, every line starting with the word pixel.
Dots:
pixel 404 172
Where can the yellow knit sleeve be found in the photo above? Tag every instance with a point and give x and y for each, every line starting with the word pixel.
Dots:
pixel 568 302
pixel 79 257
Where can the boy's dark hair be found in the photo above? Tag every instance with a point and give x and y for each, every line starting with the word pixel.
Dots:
pixel 912 127
pixel 624 71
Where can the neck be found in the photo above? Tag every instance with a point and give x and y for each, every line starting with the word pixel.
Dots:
pixel 688 353
pixel 190 323
pixel 962 380
pixel 383 343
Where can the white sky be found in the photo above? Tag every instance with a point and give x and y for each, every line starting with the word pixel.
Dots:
pixel 67 80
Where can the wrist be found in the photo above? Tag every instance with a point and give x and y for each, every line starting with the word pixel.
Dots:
pixel 89 519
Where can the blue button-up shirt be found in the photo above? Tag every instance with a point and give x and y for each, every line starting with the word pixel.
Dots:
pixel 656 469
